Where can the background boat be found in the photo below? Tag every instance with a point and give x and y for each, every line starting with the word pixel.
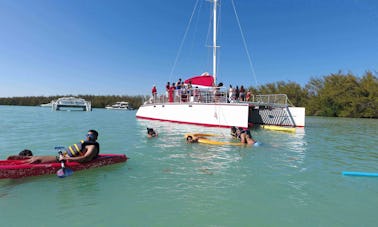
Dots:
pixel 119 106
pixel 47 104
pixel 71 103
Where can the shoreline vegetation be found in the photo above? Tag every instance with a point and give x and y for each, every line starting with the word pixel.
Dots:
pixel 335 95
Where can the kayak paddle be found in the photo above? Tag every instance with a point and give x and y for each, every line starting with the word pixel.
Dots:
pixel 63 172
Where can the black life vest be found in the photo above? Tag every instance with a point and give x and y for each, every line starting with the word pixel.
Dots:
pixel 78 148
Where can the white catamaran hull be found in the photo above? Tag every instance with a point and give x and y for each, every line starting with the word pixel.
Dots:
pixel 298 115
pixel 222 115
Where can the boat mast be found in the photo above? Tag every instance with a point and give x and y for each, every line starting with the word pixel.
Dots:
pixel 215 42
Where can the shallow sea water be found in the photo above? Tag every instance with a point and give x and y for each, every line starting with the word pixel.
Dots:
pixel 290 180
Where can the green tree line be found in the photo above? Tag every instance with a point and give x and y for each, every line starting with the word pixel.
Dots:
pixel 334 95
pixel 97 101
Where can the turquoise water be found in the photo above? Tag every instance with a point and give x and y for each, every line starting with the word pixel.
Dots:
pixel 291 180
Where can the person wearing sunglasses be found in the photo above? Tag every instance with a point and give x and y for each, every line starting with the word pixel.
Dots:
pixel 84 151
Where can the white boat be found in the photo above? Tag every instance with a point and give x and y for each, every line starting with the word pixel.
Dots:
pixel 71 103
pixel 47 104
pixel 119 106
pixel 208 105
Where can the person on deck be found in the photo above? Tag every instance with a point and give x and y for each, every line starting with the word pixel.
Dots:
pixel 167 87
pixel 171 95
pixel 237 93
pixel 84 151
pixel 154 92
pixel 179 84
pixel 197 94
pixel 242 93
pixel 248 96
pixel 230 93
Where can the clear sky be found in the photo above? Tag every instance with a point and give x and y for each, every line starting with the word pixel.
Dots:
pixel 98 47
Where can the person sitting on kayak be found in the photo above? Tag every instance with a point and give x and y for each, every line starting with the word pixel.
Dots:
pixel 26 152
pixel 151 133
pixel 84 151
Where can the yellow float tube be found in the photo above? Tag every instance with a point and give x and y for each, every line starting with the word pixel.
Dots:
pixel 202 139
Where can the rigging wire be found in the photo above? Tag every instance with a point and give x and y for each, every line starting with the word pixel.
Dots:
pixel 183 40
pixel 196 25
pixel 244 42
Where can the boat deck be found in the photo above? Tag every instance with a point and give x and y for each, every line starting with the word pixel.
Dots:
pixel 273 109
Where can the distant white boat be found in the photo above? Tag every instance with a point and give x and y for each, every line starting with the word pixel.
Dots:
pixel 119 106
pixel 71 103
pixel 47 104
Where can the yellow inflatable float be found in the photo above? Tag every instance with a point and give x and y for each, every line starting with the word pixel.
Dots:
pixel 202 138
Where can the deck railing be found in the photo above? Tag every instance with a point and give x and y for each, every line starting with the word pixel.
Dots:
pixel 271 99
pixel 216 95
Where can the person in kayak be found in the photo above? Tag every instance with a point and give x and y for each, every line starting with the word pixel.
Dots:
pixel 84 151
pixel 25 152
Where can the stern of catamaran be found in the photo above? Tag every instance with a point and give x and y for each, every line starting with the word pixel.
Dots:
pixel 274 109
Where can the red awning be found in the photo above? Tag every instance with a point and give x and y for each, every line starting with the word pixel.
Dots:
pixel 205 80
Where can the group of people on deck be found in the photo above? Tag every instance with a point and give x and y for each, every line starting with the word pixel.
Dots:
pixel 179 91
pixel 186 92
pixel 236 94
pixel 182 92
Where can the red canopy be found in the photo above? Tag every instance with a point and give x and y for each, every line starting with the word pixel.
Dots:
pixel 205 80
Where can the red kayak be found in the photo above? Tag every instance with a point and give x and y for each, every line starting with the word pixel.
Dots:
pixel 14 168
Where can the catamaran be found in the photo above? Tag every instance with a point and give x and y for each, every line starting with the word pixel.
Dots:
pixel 202 101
